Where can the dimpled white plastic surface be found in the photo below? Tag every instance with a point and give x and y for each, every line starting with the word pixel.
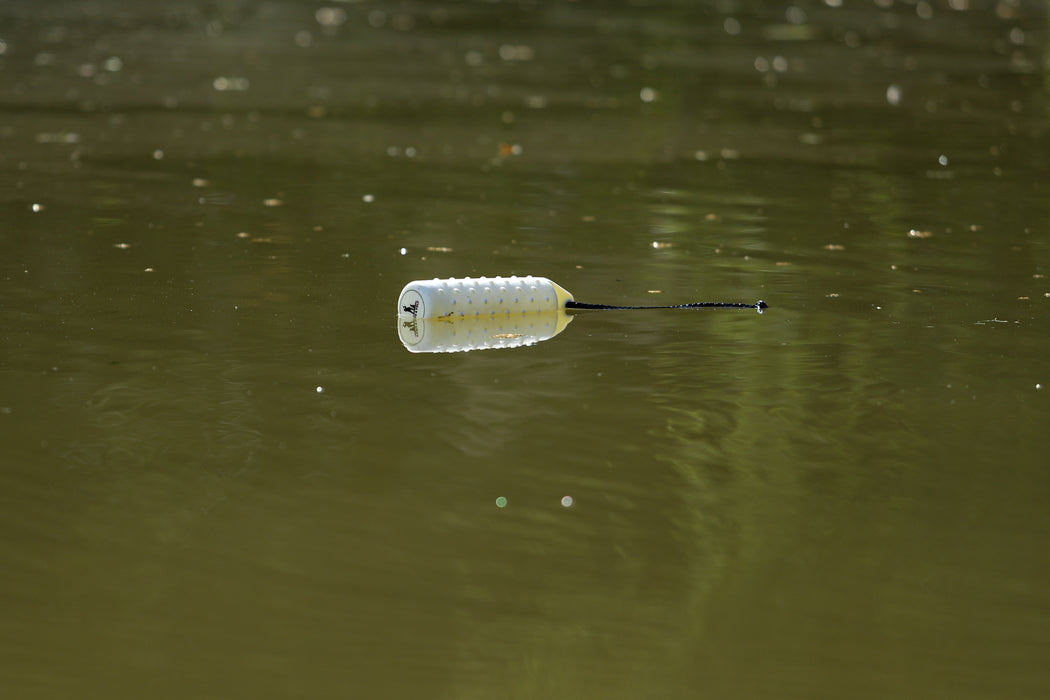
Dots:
pixel 482 296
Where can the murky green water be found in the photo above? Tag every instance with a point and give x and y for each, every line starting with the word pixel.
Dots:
pixel 223 476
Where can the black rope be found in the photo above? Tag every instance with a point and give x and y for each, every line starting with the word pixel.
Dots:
pixel 759 305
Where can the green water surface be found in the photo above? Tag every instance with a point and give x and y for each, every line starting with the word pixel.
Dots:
pixel 222 476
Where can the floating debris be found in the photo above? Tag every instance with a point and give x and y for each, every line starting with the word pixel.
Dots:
pixel 58 137
pixel 509 149
pixel 915 233
pixel 516 52
pixel 230 84
pixel 330 16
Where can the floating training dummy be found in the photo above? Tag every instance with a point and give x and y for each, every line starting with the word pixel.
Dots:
pixel 452 315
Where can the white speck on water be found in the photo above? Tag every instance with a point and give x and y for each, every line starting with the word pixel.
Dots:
pixel 37 207
pixel 1038 386
pixel 566 501
pixel 404 251
pixel 893 95
pixel 943 160
pixel 368 198
pixel 320 390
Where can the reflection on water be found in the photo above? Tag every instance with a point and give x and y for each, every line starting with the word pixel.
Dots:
pixel 479 332
pixel 223 476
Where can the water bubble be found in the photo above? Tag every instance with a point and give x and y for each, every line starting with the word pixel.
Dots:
pixel 566 501
pixel 376 19
pixel 320 390
pixel 501 502
pixel 795 15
